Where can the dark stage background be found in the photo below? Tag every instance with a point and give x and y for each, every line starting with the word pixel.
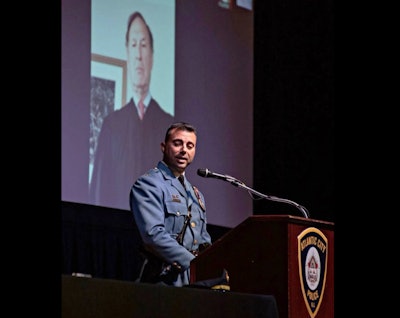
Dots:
pixel 294 106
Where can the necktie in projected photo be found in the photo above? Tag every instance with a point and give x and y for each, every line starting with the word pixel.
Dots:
pixel 141 108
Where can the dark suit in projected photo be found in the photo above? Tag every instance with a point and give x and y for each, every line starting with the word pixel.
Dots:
pixel 126 141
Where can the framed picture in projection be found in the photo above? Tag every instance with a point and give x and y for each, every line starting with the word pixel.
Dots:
pixel 107 93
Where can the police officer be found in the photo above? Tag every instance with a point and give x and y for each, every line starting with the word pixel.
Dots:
pixel 169 212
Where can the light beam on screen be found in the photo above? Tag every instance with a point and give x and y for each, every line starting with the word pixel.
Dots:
pixel 246 4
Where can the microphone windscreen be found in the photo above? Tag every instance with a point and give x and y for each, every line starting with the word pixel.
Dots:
pixel 202 172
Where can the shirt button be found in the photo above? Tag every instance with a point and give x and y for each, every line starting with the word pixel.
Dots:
pixel 178 213
pixel 195 242
pixel 192 224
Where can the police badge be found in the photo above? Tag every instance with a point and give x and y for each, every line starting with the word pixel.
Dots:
pixel 313 259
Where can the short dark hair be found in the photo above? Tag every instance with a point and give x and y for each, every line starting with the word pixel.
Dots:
pixel 180 126
pixel 131 18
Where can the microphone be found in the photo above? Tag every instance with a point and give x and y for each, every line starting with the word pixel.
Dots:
pixel 205 173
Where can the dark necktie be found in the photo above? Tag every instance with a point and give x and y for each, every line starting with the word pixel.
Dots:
pixel 181 179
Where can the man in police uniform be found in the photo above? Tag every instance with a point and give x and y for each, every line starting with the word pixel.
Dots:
pixel 169 212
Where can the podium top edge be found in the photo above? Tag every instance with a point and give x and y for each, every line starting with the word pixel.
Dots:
pixel 287 218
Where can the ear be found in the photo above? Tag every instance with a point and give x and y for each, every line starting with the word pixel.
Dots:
pixel 162 145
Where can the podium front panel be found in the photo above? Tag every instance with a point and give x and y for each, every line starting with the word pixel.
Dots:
pixel 261 256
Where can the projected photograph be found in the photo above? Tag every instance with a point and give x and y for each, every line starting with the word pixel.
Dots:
pixel 132 63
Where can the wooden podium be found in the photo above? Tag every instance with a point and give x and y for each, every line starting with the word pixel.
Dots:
pixel 289 257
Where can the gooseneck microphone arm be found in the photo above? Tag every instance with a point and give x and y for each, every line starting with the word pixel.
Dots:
pixel 302 209
pixel 208 174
